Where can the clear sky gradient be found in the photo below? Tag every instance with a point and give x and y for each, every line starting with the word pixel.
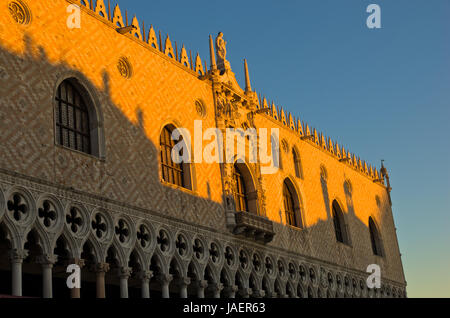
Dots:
pixel 384 94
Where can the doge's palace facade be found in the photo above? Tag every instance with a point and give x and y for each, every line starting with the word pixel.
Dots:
pixel 86 175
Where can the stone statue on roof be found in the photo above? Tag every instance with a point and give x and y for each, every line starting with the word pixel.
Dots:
pixel 221 51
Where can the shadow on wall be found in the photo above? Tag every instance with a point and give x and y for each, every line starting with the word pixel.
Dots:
pixel 128 175
pixel 129 172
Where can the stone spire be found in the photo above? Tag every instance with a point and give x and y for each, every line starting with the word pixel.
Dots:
pixel 212 54
pixel 248 86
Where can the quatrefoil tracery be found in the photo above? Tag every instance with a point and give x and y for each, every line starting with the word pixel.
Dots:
pixel 181 245
pixel 143 235
pixel 229 256
pixel 214 252
pixel 256 262
pixel 18 206
pixel 243 259
pixel 198 249
pixel 99 225
pixel 47 213
pixel 163 241
pixel 74 219
pixel 269 265
pixel 122 231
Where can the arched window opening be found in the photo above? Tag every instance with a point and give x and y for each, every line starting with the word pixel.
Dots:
pixel 72 118
pixel 174 173
pixel 339 224
pixel 289 209
pixel 297 164
pixel 244 190
pixel 240 191
pixel 375 238
pixel 292 204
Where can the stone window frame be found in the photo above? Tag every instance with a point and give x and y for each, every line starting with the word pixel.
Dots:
pixel 95 114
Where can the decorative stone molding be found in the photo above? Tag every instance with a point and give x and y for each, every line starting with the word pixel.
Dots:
pixel 124 67
pixel 231 254
pixel 20 12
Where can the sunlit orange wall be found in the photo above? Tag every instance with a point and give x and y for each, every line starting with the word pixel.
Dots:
pixel 164 92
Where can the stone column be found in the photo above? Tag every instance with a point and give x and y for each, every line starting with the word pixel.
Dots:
pixel 201 285
pixel 164 280
pixel 47 262
pixel 124 274
pixel 145 277
pixel 184 282
pixel 75 292
pixel 100 271
pixel 16 259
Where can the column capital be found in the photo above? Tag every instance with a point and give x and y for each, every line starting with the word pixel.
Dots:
pixel 125 272
pixel 17 256
pixel 216 286
pixel 201 283
pixel 47 260
pixel 145 275
pixel 101 267
pixel 246 292
pixel 164 278
pixel 231 289
pixel 77 261
pixel 258 293
pixel 184 281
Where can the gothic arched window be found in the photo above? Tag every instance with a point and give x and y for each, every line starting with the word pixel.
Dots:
pixel 297 164
pixel 339 224
pixel 240 191
pixel 72 118
pixel 289 208
pixel 375 238
pixel 172 172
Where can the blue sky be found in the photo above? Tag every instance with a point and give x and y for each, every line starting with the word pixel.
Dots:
pixel 384 94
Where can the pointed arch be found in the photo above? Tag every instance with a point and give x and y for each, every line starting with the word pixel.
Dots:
pixel 245 193
pixel 292 204
pixel 91 253
pixel 339 223
pixel 298 168
pixel 375 237
pixel 178 174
